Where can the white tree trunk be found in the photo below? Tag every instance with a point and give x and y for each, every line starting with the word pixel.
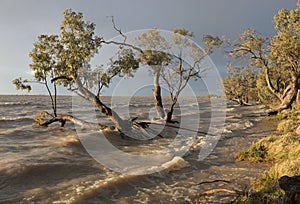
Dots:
pixel 157 93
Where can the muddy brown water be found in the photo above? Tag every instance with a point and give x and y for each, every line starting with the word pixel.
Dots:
pixel 50 165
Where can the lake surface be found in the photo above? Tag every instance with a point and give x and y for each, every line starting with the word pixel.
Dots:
pixel 52 164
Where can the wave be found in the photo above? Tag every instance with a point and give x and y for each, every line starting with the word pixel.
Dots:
pixel 241 125
pixel 14 103
pixel 16 118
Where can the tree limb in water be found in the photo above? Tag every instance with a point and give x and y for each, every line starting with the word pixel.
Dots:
pixel 218 190
pixel 214 181
pixel 44 118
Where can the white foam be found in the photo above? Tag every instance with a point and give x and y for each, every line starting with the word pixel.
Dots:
pixel 175 164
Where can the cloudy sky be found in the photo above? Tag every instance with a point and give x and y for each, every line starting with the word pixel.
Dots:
pixel 23 20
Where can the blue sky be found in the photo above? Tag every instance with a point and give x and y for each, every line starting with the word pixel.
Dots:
pixel 23 20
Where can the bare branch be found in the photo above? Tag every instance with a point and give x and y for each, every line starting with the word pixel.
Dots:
pixel 117 29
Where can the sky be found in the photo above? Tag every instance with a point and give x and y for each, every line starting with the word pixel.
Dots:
pixel 23 20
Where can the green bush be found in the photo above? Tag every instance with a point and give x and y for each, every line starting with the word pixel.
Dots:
pixel 256 153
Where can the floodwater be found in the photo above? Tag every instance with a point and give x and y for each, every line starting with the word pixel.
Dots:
pixel 60 165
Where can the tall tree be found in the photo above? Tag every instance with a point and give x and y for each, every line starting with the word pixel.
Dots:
pixel 44 67
pixel 154 55
pixel 173 61
pixel 186 63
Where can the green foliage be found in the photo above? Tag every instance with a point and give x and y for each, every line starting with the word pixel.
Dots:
pixel 183 32
pixel 277 58
pixel 256 153
pixel 284 52
pixel 77 43
pixel 153 57
pixel 267 187
pixel 125 64
pixel 292 115
pixel 66 56
pixel 240 85
pixel 212 42
pixel 154 48
pixel 21 84
pixel 43 57
pixel 67 53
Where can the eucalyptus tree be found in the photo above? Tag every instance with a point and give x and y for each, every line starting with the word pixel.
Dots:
pixel 154 55
pixel 64 60
pixel 240 85
pixel 43 66
pixel 276 57
pixel 186 63
pixel 173 62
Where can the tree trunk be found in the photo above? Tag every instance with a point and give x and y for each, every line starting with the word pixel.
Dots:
pixel 238 100
pixel 128 128
pixel 157 94
pixel 297 105
pixel 170 112
pixel 269 83
pixel 55 99
pixel 121 125
pixel 287 100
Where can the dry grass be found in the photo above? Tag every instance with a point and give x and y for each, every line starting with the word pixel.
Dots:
pixel 283 152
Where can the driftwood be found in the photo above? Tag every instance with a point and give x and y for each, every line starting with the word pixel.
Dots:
pixel 211 192
pixel 291 186
pixel 218 190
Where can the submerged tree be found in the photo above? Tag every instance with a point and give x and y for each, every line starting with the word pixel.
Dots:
pixel 185 64
pixel 276 57
pixel 155 56
pixel 44 67
pixel 188 63
pixel 175 61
